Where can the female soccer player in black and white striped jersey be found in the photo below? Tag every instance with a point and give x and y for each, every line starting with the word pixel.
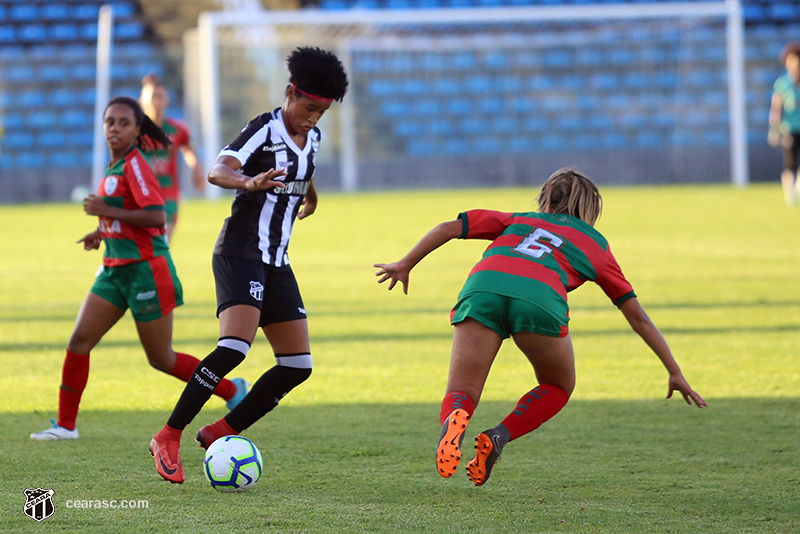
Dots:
pixel 270 165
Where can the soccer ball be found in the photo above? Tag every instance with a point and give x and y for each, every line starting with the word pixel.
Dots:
pixel 232 463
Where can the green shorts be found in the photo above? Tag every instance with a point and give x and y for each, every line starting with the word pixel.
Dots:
pixel 171 208
pixel 507 315
pixel 151 289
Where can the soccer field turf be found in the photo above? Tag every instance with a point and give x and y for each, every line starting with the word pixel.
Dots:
pixel 352 449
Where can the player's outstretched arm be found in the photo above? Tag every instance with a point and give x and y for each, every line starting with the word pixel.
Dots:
pixel 649 332
pixel 225 174
pixel 399 270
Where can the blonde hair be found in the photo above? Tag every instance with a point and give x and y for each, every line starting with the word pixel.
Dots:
pixel 570 192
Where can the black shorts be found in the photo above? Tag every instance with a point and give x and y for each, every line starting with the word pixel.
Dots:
pixel 273 290
pixel 791 151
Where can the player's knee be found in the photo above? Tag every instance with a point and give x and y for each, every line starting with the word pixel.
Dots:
pixel 296 367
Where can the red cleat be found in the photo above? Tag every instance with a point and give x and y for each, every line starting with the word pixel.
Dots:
pixel 211 433
pixel 168 460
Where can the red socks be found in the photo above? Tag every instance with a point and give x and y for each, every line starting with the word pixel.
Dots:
pixel 453 401
pixel 184 367
pixel 534 408
pixel 168 434
pixel 74 376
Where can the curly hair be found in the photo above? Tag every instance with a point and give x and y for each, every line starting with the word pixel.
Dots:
pixel 570 192
pixel 317 72
pixel 790 49
pixel 150 134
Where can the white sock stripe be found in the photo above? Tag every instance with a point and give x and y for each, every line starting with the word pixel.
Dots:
pixel 234 344
pixel 297 361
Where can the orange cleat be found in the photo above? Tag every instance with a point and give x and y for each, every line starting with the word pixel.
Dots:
pixel 168 460
pixel 489 445
pixel 448 453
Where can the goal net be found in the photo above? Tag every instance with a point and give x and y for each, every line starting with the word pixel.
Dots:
pixel 627 93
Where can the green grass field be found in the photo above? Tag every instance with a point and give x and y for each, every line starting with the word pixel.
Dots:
pixel 351 450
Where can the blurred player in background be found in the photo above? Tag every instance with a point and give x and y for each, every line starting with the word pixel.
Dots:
pixel 270 165
pixel 784 120
pixel 154 100
pixel 137 270
pixel 519 290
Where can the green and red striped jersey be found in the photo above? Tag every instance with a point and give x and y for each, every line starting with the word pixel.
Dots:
pixel 540 255
pixel 130 184
pixel 165 159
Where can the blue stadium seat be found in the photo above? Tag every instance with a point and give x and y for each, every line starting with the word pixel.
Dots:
pixel 573 81
pixel 64 32
pixel 600 122
pixel 473 125
pixel 490 104
pixel 398 4
pixel 527 59
pixel 427 106
pixel 413 86
pixel 587 101
pixel 400 63
pixel 716 138
pixel 334 5
pixel 88 31
pixel 12 121
pixel 53 73
pixel 558 58
pixel 434 62
pixel 487 145
pixel 64 159
pixel 58 12
pixel 421 148
pixel 51 139
pixel 637 80
pixel 8 51
pixel 649 139
pixel 381 88
pixel 18 139
pixel 75 117
pixel 31 98
pixel 781 11
pixel 504 125
pixel 683 138
pixel 537 124
pixel 479 84
pixel 589 57
pixel 604 80
pixel 129 30
pixel 394 108
pixel 653 55
pixel 406 128
pixel 571 122
pixel 664 119
pixel 42 119
pixel 541 82
pixel 496 60
pixel 123 10
pixel 753 13
pixel 523 105
pixel 32 32
pixel 521 144
pixel 445 86
pixel 509 84
pixel 19 74
pixel 30 160
pixel 614 140
pixel 86 11
pixel 463 61
pixel 2 13
pixel 584 142
pixel 456 147
pixel 552 142
pixel 23 12
pixel 440 127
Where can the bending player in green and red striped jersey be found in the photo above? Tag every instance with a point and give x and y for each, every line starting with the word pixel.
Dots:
pixel 519 290
pixel 137 271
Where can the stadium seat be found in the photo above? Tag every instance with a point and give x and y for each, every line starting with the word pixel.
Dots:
pixel 440 127
pixel 504 125
pixel 12 121
pixel 64 32
pixel 427 107
pixel 584 142
pixel 473 125
pixel 490 105
pixel 50 139
pixel 479 84
pixel 32 32
pixel 64 159
pixel 394 108
pixel 18 139
pixel 53 73
pixel 406 128
pixel 86 11
pixel 412 86
pixel 128 30
pixel 445 86
pixel 31 98
pixel 19 74
pixel 456 147
pixel 76 117
pixel 381 88
pixel 571 122
pixel 42 119
pixel 24 12
pixel 421 148
pixel 520 144
pixel 56 12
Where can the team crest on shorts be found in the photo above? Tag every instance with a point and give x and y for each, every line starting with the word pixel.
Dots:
pixel 257 290
pixel 39 503
pixel 111 184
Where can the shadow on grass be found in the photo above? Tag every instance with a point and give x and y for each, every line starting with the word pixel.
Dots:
pixel 599 466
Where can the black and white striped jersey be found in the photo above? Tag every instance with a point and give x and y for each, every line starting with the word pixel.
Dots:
pixel 261 222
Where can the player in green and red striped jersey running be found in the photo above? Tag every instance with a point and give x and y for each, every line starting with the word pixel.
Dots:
pixel 137 271
pixel 519 290
pixel 164 159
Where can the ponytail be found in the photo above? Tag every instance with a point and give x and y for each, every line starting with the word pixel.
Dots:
pixel 150 135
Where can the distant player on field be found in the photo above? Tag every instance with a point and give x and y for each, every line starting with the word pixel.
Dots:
pixel 270 165
pixel 519 290
pixel 137 270
pixel 784 120
pixel 164 159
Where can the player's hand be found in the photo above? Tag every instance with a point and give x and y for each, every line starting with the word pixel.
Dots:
pixel 678 383
pixel 396 272
pixel 91 241
pixel 265 180
pixel 774 137
pixel 94 205
pixel 308 208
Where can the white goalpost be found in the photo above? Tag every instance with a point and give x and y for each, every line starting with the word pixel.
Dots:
pixel 583 81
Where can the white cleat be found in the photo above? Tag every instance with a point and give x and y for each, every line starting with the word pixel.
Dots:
pixel 54 433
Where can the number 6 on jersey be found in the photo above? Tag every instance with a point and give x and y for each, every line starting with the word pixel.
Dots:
pixel 532 245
